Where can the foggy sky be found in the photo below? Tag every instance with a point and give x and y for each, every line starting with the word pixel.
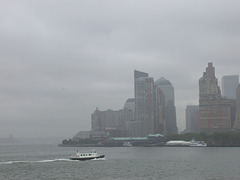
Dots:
pixel 59 60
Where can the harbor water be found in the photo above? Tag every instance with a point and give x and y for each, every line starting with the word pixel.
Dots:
pixel 48 161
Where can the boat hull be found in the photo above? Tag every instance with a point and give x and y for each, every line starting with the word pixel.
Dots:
pixel 86 158
pixel 204 145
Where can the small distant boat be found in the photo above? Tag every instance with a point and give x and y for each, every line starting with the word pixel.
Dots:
pixel 194 143
pixel 86 156
pixel 127 144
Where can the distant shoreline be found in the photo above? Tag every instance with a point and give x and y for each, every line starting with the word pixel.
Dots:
pixel 98 145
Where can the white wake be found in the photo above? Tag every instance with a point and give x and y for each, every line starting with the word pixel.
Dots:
pixel 39 161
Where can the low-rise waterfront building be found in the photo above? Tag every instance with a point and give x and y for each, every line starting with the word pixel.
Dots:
pixel 150 140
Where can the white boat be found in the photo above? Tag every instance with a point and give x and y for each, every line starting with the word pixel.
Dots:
pixel 86 156
pixel 194 143
pixel 127 144
pixel 178 143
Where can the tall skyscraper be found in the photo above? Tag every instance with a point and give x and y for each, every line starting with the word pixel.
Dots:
pixel 192 119
pixel 170 110
pixel 130 104
pixel 208 84
pixel 148 104
pixel 159 111
pixel 132 126
pixel 215 111
pixel 168 90
pixel 229 86
pixel 144 104
pixel 98 120
pixel 237 120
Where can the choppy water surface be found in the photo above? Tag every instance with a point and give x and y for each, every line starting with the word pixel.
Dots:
pixel 36 161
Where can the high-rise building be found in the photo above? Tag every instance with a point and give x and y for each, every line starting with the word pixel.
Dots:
pixel 130 104
pixel 98 120
pixel 237 120
pixel 170 110
pixel 168 90
pixel 113 122
pixel 192 119
pixel 133 127
pixel 144 104
pixel 229 86
pixel 214 111
pixel 148 104
pixel 159 111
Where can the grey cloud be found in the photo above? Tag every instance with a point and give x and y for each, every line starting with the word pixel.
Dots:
pixel 59 60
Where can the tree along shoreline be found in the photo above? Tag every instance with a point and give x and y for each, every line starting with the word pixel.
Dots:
pixel 217 139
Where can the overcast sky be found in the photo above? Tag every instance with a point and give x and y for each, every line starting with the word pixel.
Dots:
pixel 60 59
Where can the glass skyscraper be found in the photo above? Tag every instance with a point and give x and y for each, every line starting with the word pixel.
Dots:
pixel 148 104
pixel 229 86
pixel 170 110
pixel 192 119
